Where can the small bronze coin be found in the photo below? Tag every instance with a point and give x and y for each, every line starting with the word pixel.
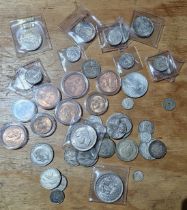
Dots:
pixel 157 149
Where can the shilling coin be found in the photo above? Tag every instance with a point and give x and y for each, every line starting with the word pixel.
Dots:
pixel 128 103
pixel 109 187
pixel 33 76
pixel 161 63
pixel 126 61
pixel 70 156
pixel 47 96
pixel 145 137
pixel 143 26
pixel 107 148
pixel 73 54
pixel 50 178
pixel 74 84
pixel 146 126
pixel 68 112
pixel 86 158
pixel 13 135
pixel 144 150
pixel 57 196
pixel 24 110
pixel 127 150
pixel 169 104
pixel 91 68
pixel 114 36
pixel 93 119
pixel 42 154
pixel 43 124
pixel 138 176
pixel 63 183
pixel 134 85
pixel 157 149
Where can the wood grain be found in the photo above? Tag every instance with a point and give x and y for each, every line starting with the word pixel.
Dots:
pixel 165 183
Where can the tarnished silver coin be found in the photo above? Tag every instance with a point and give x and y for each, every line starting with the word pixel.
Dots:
pixel 107 148
pixel 128 103
pixel 138 176
pixel 42 154
pixel 73 54
pixel 109 187
pixel 126 61
pixel 169 104
pixel 144 150
pixel 134 85
pixel 145 137
pixel 87 158
pixel 91 68
pixel 50 178
pixel 115 36
pixel 157 149
pixel 93 118
pixel 24 110
pixel 70 156
pixel 143 26
pixel 57 196
pixel 146 126
pixel 34 76
pixel 161 63
pixel 127 150
pixel 63 183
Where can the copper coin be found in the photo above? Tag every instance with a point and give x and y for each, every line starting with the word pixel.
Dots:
pixel 74 84
pixel 109 83
pixel 14 136
pixel 43 124
pixel 96 103
pixel 47 96
pixel 68 112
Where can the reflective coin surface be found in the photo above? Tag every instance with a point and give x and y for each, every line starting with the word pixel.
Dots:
pixel 144 150
pixel 87 158
pixel 57 196
pixel 73 54
pixel 33 76
pixel 126 61
pixel 107 148
pixel 169 104
pixel 161 63
pixel 138 176
pixel 146 126
pixel 134 85
pixel 145 137
pixel 63 183
pixel 91 68
pixel 157 149
pixel 128 103
pixel 70 156
pixel 109 187
pixel 115 36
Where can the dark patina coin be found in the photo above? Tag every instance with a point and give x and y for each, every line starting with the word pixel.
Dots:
pixel 157 149
pixel 169 104
pixel 107 148
pixel 57 196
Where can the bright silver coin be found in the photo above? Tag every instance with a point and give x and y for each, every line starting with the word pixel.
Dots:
pixel 115 36
pixel 91 68
pixel 138 176
pixel 146 126
pixel 161 63
pixel 70 156
pixel 145 137
pixel 34 76
pixel 128 103
pixel 63 183
pixel 107 148
pixel 73 54
pixel 126 61
pixel 144 150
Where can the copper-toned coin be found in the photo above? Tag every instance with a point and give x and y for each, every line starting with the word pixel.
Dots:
pixel 43 124
pixel 74 84
pixel 96 103
pixel 108 83
pixel 68 112
pixel 13 135
pixel 47 96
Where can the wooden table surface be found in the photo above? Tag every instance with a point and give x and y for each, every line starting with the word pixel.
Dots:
pixel 165 183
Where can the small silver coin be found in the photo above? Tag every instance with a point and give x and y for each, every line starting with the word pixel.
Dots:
pixel 107 148
pixel 70 156
pixel 127 150
pixel 73 54
pixel 87 158
pixel 93 118
pixel 42 154
pixel 91 68
pixel 109 187
pixel 145 137
pixel 138 176
pixel 24 110
pixel 169 104
pixel 128 103
pixel 63 183
pixel 161 63
pixel 126 61
pixel 34 76
pixel 57 196
pixel 115 36
pixel 157 149
pixel 134 85
pixel 146 126
pixel 143 26
pixel 144 150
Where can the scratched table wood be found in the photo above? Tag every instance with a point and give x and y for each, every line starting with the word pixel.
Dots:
pixel 165 183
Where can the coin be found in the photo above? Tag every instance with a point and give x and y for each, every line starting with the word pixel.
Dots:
pixel 13 135
pixel 87 158
pixel 57 196
pixel 128 103
pixel 63 183
pixel 145 137
pixel 127 150
pixel 74 84
pixel 107 148
pixel 143 26
pixel 50 178
pixel 24 110
pixel 83 137
pixel 138 176
pixel 146 126
pixel 96 103
pixel 47 96
pixel 33 76
pixel 42 154
pixel 93 119
pixel 144 150
pixel 108 83
pixel 114 36
pixel 43 124
pixel 126 61
pixel 169 104
pixel 161 63
pixel 68 112
pixel 73 54
pixel 109 187
pixel 126 33
pixel 134 85
pixel 91 68
pixel 157 149
pixel 70 156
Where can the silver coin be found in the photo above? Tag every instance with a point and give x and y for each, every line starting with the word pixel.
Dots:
pixel 145 137
pixel 146 126
pixel 143 26
pixel 70 156
pixel 144 150
pixel 161 63
pixel 107 148
pixel 126 61
pixel 50 178
pixel 109 187
pixel 57 196
pixel 24 110
pixel 126 33
pixel 42 154
pixel 128 103
pixel 169 104
pixel 115 36
pixel 93 118
pixel 157 149
pixel 134 85
pixel 73 54
pixel 127 150
pixel 63 183
pixel 138 176
pixel 34 76
pixel 91 68
pixel 87 158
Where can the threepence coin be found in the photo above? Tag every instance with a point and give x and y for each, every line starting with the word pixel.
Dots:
pixel 114 36
pixel 57 196
pixel 128 103
pixel 34 76
pixel 126 61
pixel 63 183
pixel 70 156
pixel 91 68
pixel 157 149
pixel 138 176
pixel 144 150
pixel 169 104
pixel 161 63
pixel 73 54
pixel 145 137
pixel 107 148
pixel 146 126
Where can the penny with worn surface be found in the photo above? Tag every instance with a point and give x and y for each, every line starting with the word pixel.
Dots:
pixel 145 137
pixel 47 96
pixel 34 76
pixel 42 154
pixel 127 150
pixel 143 26
pixel 86 158
pixel 24 110
pixel 57 196
pixel 73 54
pixel 109 187
pixel 43 124
pixel 107 148
pixel 68 112
pixel 74 84
pixel 108 83
pixel 63 183
pixel 93 119
pixel 50 178
pixel 114 36
pixel 128 103
pixel 144 150
pixel 13 135
pixel 91 68
pixel 70 156
pixel 161 63
pixel 134 85
pixel 168 104
pixel 126 61
pixel 146 126
pixel 157 149
pixel 138 176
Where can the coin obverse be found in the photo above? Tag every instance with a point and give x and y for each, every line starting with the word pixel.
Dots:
pixel 138 176
pixel 114 36
pixel 128 103
pixel 126 61
pixel 73 54
pixel 57 196
pixel 91 68
pixel 161 63
pixel 157 149
pixel 107 148
pixel 34 76
pixel 168 104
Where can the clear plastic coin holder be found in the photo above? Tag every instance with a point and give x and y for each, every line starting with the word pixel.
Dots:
pixel 30 35
pixel 146 28
pixel 114 36
pixel 127 61
pixel 109 187
pixel 80 26
pixel 164 71
pixel 20 85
